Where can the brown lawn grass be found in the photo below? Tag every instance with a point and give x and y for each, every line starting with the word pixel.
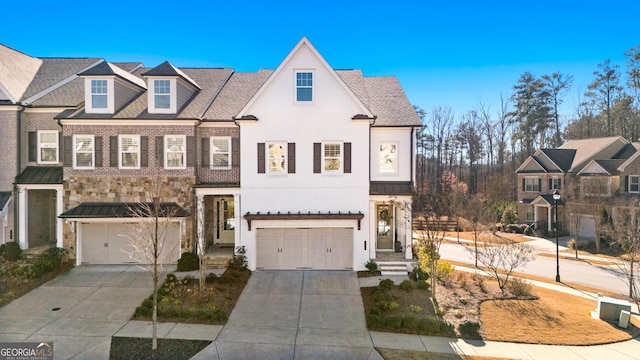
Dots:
pixel 588 261
pixel 394 354
pixel 555 318
pixel 482 236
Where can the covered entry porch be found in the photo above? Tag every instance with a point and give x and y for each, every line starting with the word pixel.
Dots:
pixel 217 218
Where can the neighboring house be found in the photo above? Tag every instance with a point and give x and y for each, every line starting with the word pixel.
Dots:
pixel 305 166
pixel 587 171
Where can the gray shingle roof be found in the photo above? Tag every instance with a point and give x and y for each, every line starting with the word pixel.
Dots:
pixel 235 94
pixel 561 157
pixel 389 102
pixel 124 210
pixel 105 68
pixel 5 196
pixel 611 165
pixel 166 69
pixel 40 175
pixel 17 70
pixel 54 70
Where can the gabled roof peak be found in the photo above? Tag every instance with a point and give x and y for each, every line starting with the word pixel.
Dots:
pixel 105 68
pixel 166 69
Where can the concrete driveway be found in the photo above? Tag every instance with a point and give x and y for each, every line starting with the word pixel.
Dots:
pixel 78 311
pixel 296 315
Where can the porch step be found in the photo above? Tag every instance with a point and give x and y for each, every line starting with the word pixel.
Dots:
pixel 393 267
pixel 218 262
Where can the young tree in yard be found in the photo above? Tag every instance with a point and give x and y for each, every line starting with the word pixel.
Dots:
pixel 148 240
pixel 575 222
pixel 430 235
pixel 625 231
pixel 500 258
pixel 476 215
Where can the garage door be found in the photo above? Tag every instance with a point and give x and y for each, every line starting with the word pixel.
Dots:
pixel 304 248
pixel 110 244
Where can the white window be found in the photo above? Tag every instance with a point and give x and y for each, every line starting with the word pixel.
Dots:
pixel 388 153
pixel 162 96
pixel 634 183
pixel 528 213
pixel 220 152
pixel 532 184
pixel 129 151
pixel 304 86
pixel 332 157
pixel 175 151
pixel 99 96
pixel 48 147
pixel 83 152
pixel 277 159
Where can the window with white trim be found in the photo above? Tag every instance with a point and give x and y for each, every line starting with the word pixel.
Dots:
pixel 277 157
pixel 555 183
pixel 332 157
pixel 532 184
pixel 129 146
pixel 220 152
pixel 48 143
pixel 634 183
pixel 175 151
pixel 388 153
pixel 83 152
pixel 304 86
pixel 99 94
pixel 528 213
pixel 162 94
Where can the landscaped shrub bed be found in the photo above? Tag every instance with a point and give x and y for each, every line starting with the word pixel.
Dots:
pixel 19 276
pixel 182 300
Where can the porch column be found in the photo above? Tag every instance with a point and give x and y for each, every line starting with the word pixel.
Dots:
pixel 59 221
pixel 238 220
pixel 408 252
pixel 22 218
pixel 550 219
pixel 373 230
pixel 200 223
pixel 78 233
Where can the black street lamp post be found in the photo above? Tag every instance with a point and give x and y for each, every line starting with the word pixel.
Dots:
pixel 556 198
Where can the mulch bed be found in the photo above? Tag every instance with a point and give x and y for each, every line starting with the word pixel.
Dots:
pixel 140 348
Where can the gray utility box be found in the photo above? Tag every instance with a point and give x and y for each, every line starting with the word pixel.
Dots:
pixel 609 309
pixel 625 316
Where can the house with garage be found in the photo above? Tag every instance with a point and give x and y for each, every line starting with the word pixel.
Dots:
pixel 305 166
pixel 589 174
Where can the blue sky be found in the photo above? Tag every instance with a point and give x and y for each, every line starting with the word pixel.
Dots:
pixel 449 53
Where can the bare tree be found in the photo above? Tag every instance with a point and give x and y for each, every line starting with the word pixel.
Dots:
pixel 500 259
pixel 441 123
pixel 476 215
pixel 148 241
pixel 625 231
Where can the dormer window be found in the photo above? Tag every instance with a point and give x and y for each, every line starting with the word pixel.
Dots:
pixel 99 96
pixel 304 86
pixel 162 96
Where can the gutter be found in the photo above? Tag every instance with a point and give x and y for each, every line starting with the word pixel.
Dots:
pixel 15 234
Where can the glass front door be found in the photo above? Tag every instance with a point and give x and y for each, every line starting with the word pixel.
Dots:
pixel 226 220
pixel 385 230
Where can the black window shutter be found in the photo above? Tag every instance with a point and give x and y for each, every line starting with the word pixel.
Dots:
pixel 159 151
pixel 317 158
pixel 291 155
pixel 261 158
pixel 204 151
pixel 60 142
pixel 32 141
pixel 67 146
pixel 113 151
pixel 559 184
pixel 626 183
pixel 539 184
pixel 347 158
pixel 191 156
pixel 550 184
pixel 98 150
pixel 144 151
pixel 235 151
pixel 523 186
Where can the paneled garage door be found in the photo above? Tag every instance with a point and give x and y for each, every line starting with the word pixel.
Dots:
pixel 109 244
pixel 306 248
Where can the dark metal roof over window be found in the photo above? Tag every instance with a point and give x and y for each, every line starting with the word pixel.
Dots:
pixel 5 196
pixel 96 210
pixel 40 175
pixel 390 188
pixel 304 216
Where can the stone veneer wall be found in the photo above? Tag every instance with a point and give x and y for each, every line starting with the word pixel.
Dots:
pixel 79 189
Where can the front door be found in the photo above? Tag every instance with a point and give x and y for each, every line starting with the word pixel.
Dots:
pixel 384 228
pixel 226 225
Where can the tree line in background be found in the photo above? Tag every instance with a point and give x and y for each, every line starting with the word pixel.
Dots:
pixel 483 147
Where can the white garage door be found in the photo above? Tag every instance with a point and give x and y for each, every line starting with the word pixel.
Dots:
pixel 304 248
pixel 110 244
